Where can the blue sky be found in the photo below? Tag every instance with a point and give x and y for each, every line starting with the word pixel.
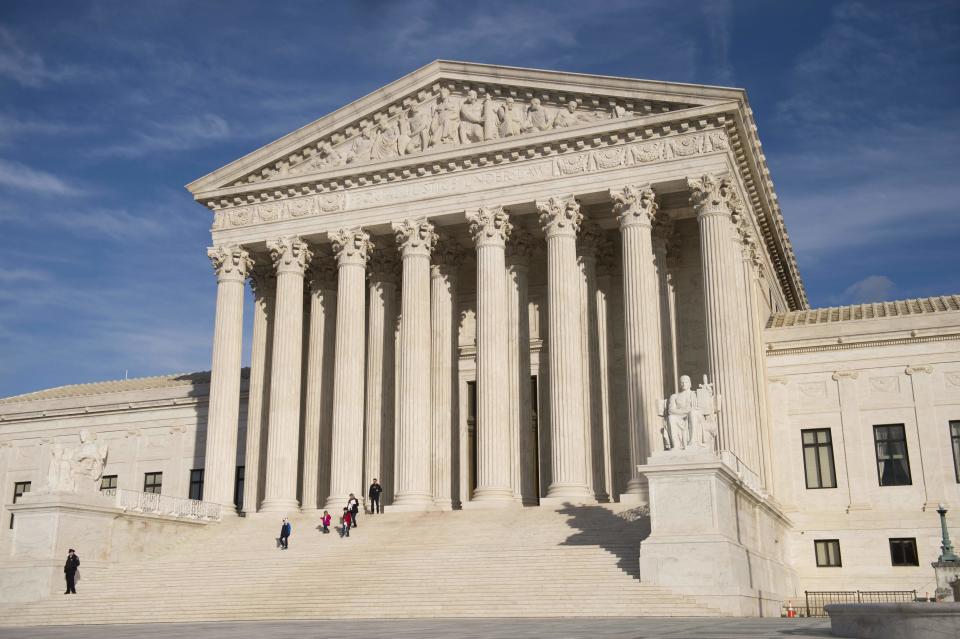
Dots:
pixel 108 108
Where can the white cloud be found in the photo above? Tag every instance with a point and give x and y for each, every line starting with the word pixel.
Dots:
pixel 28 69
pixel 22 177
pixel 172 136
pixel 115 224
pixel 873 288
pixel 11 275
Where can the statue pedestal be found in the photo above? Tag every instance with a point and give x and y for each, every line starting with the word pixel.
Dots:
pixel 713 537
pixel 47 525
pixel 948 580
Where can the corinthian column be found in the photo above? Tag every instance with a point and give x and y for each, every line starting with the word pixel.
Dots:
pixel 443 352
pixel 232 264
pixel 352 249
pixel 263 281
pixel 490 228
pixel 590 237
pixel 415 238
pixel 319 384
pixel 712 198
pixel 290 259
pixel 381 318
pixel 524 451
pixel 636 208
pixel 560 219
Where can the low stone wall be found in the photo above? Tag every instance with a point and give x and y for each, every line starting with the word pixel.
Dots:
pixel 895 621
pixel 46 526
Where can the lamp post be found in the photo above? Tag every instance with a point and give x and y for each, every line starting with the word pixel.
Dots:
pixel 946 548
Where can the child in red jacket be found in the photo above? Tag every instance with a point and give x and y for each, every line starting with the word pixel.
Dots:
pixel 345 523
pixel 325 520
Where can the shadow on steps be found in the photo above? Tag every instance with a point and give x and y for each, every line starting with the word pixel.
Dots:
pixel 619 533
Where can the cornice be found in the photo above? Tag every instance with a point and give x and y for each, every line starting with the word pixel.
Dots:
pixel 105 409
pixel 868 343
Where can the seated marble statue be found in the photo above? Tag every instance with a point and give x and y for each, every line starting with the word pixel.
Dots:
pixel 690 417
pixel 76 469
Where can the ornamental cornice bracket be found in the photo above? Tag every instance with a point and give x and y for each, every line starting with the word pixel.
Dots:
pixel 560 215
pixel 634 204
pixel 489 225
pixel 838 375
pixel 914 369
pixel 230 262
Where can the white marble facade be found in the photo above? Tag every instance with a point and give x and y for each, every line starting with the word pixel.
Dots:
pixel 479 284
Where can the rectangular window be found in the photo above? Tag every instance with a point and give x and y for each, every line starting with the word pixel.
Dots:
pixel 893 463
pixel 196 483
pixel 152 482
pixel 818 458
pixel 955 442
pixel 20 488
pixel 903 552
pixel 108 482
pixel 828 553
pixel 238 489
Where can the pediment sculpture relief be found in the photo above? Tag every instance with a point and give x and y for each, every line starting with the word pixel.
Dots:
pixel 447 121
pixel 690 417
pixel 78 468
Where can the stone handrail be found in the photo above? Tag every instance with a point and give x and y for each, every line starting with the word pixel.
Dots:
pixel 155 503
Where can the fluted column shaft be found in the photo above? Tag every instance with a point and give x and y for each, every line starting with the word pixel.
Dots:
pixel 381 311
pixel 318 385
pixel 414 427
pixel 524 453
pixel 590 238
pixel 636 208
pixel 560 219
pixel 490 228
pixel 603 358
pixel 232 264
pixel 290 258
pixel 443 352
pixel 263 282
pixel 351 247
pixel 711 198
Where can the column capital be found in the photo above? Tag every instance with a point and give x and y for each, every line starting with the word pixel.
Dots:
pixel 322 273
pixel 560 216
pixel 351 246
pixel 263 280
pixel 232 263
pixel 384 264
pixel 489 226
pixel 289 254
pixel 712 195
pixel 447 255
pixel 635 205
pixel 520 247
pixel 589 239
pixel 414 237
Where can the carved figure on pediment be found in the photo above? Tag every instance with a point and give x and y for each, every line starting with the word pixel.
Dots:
pixel 690 417
pixel 414 130
pixel 511 117
pixel 471 119
pixel 387 143
pixel 446 120
pixel 617 112
pixel 538 118
pixel 362 147
pixel 77 469
pixel 567 117
pixel 90 457
pixel 491 123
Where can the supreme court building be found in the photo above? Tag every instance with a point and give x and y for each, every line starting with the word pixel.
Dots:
pixel 481 285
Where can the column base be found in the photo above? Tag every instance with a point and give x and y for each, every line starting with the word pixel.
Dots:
pixel 491 504
pixel 280 506
pixel 635 499
pixel 557 503
pixel 445 504
pixel 411 503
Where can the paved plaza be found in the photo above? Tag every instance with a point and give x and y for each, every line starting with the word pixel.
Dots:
pixel 631 628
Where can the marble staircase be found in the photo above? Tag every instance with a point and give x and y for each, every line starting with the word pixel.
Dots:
pixel 532 562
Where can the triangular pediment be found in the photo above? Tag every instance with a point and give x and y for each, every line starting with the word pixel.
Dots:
pixel 445 106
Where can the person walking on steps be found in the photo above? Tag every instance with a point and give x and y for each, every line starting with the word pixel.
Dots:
pixel 70 572
pixel 285 530
pixel 354 505
pixel 325 521
pixel 374 494
pixel 345 523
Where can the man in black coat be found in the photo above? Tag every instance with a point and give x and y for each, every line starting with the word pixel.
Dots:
pixel 70 571
pixel 374 495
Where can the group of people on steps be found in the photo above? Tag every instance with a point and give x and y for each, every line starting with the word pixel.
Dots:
pixel 348 519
